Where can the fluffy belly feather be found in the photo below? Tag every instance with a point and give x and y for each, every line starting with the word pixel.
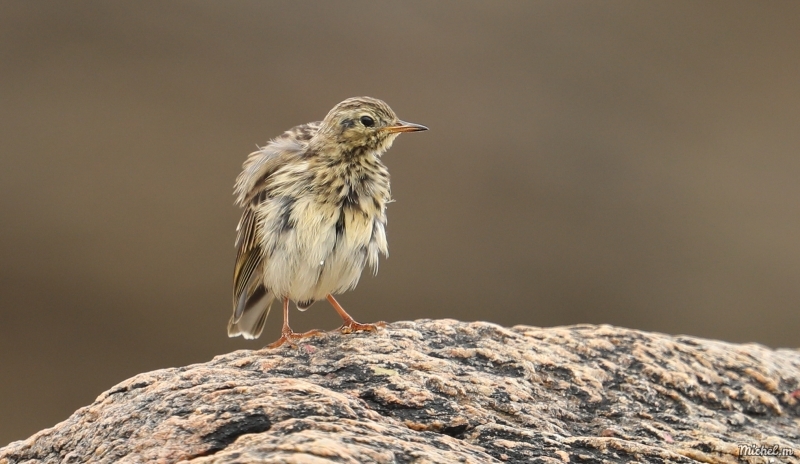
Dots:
pixel 317 253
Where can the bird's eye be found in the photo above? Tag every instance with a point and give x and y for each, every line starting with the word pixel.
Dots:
pixel 367 121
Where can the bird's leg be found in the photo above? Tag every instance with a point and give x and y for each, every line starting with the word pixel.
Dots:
pixel 287 334
pixel 350 324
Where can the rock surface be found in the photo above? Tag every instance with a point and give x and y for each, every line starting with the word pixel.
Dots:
pixel 445 391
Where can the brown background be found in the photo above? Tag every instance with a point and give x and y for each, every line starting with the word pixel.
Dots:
pixel 630 163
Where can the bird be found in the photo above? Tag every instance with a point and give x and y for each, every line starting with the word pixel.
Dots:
pixel 314 215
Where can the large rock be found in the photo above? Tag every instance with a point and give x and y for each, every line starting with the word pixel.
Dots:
pixel 445 391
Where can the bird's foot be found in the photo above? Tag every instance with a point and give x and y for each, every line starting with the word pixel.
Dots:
pixel 353 326
pixel 289 336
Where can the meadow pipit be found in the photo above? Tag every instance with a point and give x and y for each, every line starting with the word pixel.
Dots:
pixel 314 202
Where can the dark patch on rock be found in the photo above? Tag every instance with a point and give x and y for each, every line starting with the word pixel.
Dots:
pixel 128 388
pixel 228 432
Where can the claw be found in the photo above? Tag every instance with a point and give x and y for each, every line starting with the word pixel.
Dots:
pixel 350 325
pixel 289 336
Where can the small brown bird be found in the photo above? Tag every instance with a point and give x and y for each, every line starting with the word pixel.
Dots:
pixel 314 215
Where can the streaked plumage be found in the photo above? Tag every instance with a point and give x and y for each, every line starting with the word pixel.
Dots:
pixel 314 202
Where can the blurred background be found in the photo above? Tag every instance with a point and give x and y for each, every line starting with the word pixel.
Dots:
pixel 630 163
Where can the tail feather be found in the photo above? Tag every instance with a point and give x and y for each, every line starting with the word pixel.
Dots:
pixel 251 313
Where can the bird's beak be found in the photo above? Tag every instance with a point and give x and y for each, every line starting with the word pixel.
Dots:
pixel 403 126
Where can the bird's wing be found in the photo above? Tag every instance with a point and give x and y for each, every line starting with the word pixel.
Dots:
pixel 262 163
pixel 251 190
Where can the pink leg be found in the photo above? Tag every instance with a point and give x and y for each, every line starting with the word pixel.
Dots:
pixel 350 324
pixel 287 334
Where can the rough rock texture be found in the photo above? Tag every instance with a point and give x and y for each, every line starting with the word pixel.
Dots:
pixel 445 391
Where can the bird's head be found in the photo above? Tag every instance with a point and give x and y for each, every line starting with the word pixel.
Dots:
pixel 363 125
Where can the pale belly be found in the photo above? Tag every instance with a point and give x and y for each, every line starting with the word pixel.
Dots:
pixel 312 249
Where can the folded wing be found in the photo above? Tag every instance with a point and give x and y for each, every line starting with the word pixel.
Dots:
pixel 251 299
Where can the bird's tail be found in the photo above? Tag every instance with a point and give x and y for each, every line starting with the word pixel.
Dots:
pixel 250 313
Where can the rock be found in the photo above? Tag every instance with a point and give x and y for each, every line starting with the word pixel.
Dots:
pixel 445 391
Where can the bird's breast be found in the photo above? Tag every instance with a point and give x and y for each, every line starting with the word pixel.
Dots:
pixel 318 239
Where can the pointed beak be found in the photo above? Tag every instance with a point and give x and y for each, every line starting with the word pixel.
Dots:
pixel 403 126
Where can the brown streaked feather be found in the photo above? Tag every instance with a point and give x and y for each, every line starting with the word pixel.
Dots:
pixel 262 163
pixel 251 299
pixel 254 311
pixel 248 259
pixel 251 190
pixel 246 264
